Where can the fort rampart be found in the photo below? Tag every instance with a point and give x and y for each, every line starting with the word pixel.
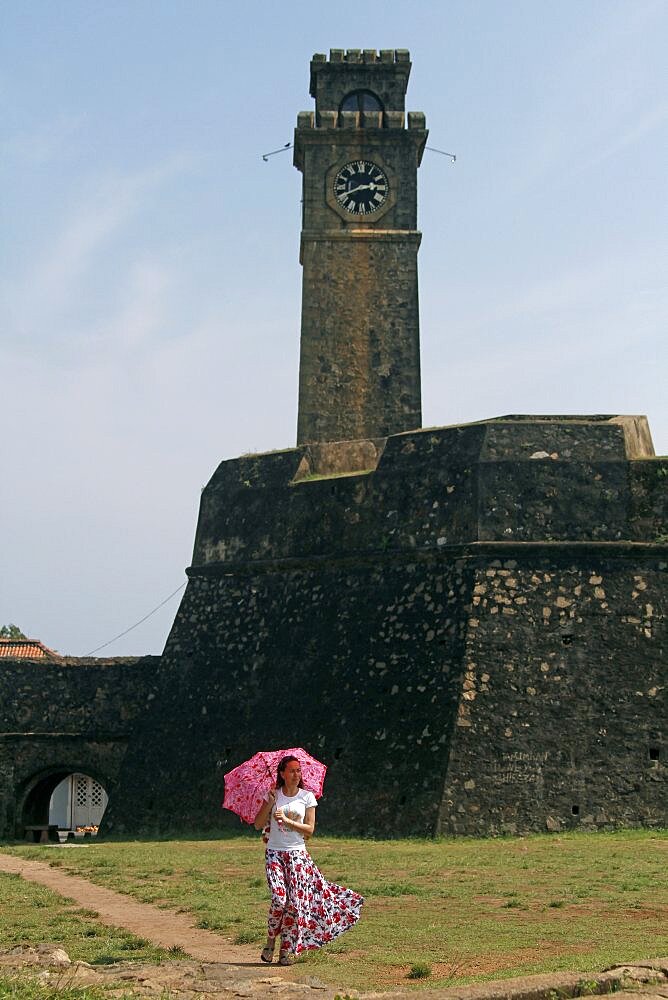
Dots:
pixel 467 624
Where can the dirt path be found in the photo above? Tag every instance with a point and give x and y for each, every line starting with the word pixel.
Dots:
pixel 161 927
pixel 223 968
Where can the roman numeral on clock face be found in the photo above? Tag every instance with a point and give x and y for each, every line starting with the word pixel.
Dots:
pixel 360 187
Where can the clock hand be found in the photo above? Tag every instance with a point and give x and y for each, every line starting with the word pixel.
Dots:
pixel 360 187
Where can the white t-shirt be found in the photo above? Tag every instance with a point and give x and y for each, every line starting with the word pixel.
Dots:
pixel 295 807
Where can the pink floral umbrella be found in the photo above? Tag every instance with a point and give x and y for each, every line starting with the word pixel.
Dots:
pixel 247 784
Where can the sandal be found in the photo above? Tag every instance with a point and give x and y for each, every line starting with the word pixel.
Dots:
pixel 286 959
pixel 267 955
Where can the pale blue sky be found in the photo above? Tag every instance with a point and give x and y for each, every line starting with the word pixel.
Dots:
pixel 150 277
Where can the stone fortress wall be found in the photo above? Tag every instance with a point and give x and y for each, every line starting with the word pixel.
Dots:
pixel 57 718
pixel 562 711
pixel 466 623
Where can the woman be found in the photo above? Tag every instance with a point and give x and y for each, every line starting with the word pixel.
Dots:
pixel 306 910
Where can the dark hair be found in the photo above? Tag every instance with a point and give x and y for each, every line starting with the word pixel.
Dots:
pixel 282 764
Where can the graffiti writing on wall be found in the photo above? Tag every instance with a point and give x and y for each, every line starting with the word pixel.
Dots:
pixel 519 767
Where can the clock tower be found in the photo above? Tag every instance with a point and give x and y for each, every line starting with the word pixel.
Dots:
pixel 358 152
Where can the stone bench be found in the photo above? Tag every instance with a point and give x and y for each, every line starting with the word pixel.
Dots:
pixel 42 833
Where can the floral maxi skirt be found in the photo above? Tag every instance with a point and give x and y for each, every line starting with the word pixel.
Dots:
pixel 306 910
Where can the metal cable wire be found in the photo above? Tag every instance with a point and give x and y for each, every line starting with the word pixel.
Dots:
pixel 140 622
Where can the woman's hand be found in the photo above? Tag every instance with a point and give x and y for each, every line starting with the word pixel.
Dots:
pixel 264 811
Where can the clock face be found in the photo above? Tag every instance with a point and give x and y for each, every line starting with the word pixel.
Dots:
pixel 361 187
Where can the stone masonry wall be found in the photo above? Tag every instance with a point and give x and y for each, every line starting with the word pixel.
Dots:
pixel 561 722
pixel 398 152
pixel 385 73
pixel 358 661
pixel 360 339
pixel 359 363
pixel 74 715
pixel 499 481
pixel 363 614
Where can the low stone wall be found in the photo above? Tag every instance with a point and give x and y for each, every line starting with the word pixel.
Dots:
pixel 58 718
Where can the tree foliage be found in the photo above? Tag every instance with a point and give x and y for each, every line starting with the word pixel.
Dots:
pixel 11 632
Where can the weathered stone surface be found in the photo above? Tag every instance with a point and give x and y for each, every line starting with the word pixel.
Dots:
pixel 359 370
pixel 387 76
pixel 433 488
pixel 457 675
pixel 564 713
pixel 57 718
pixel 188 979
pixel 360 359
pixel 43 955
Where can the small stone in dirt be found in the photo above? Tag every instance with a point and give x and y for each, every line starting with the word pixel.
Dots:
pixel 43 954
pixel 640 974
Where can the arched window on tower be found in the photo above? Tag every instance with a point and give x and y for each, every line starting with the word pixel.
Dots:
pixel 361 100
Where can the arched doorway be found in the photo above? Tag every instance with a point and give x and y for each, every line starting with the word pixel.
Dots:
pixel 77 804
pixel 67 799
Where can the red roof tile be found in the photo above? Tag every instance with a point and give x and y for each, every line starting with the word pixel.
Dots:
pixel 25 649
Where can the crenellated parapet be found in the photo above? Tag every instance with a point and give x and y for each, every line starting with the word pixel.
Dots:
pixel 361 119
pixel 360 89
pixel 366 56
pixel 381 67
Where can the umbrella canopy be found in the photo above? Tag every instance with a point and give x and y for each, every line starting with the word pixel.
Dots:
pixel 247 784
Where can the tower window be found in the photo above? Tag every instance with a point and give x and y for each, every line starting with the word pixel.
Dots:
pixel 361 100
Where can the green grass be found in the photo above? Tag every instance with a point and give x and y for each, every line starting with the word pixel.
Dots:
pixel 29 988
pixel 32 914
pixel 469 909
pixel 420 970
